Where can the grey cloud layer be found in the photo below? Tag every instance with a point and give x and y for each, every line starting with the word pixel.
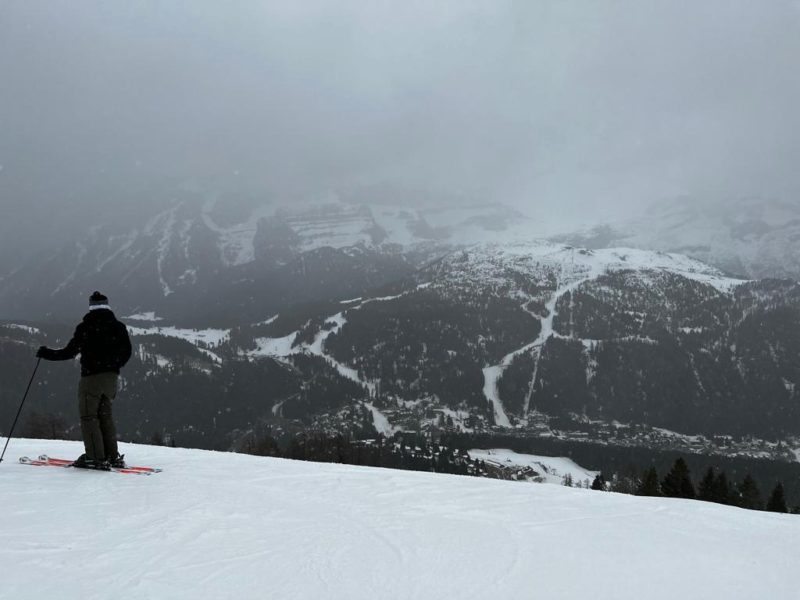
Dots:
pixel 580 109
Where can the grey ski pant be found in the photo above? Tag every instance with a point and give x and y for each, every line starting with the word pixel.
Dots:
pixel 95 396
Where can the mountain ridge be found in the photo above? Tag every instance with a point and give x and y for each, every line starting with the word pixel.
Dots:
pixel 181 253
pixel 534 338
pixel 749 237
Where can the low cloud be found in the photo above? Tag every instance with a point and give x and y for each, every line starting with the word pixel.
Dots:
pixel 572 111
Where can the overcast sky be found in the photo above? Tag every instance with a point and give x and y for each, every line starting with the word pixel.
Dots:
pixel 567 109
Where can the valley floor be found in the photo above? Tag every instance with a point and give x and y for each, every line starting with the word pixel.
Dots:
pixel 218 525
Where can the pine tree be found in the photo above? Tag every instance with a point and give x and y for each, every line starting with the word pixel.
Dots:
pixel 677 483
pixel 43 426
pixel 649 485
pixel 749 494
pixel 627 481
pixel 599 482
pixel 705 491
pixel 777 500
pixel 722 492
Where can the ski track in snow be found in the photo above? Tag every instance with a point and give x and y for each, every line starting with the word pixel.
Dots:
pixel 576 267
pixel 547 328
pixel 570 278
pixel 162 250
pixel 491 375
pixel 283 347
pixel 379 420
pixel 221 525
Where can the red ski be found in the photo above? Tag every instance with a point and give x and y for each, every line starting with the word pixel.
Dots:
pixel 62 462
pixel 46 461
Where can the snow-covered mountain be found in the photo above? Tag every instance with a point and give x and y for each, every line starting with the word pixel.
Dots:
pixel 218 525
pixel 750 238
pixel 204 263
pixel 379 317
pixel 536 339
pixel 501 335
pixel 194 260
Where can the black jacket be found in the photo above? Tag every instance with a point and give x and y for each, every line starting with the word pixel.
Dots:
pixel 102 342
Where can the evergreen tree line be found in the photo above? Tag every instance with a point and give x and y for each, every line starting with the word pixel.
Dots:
pixel 412 453
pixel 715 486
pixel 417 453
pixel 623 466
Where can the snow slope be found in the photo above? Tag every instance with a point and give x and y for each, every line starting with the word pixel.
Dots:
pixel 217 525
pixel 206 337
pixel 755 237
pixel 490 264
pixel 552 469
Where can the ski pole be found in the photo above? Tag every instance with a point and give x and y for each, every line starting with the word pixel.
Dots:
pixel 24 397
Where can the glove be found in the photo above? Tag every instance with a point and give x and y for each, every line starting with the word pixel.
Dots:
pixel 42 352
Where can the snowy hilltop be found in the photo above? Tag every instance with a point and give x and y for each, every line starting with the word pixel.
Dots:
pixel 219 525
pixel 751 237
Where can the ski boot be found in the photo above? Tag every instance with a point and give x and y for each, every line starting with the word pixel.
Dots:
pixel 89 463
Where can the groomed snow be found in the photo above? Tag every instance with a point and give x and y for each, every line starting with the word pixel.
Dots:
pixel 380 421
pixel 274 347
pixel 575 264
pixel 491 377
pixel 217 525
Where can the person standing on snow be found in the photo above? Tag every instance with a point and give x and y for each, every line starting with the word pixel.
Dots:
pixel 104 346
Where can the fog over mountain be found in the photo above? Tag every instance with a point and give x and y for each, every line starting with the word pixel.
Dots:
pixel 397 232
pixel 574 113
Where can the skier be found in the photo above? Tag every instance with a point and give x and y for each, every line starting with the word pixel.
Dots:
pixel 104 346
